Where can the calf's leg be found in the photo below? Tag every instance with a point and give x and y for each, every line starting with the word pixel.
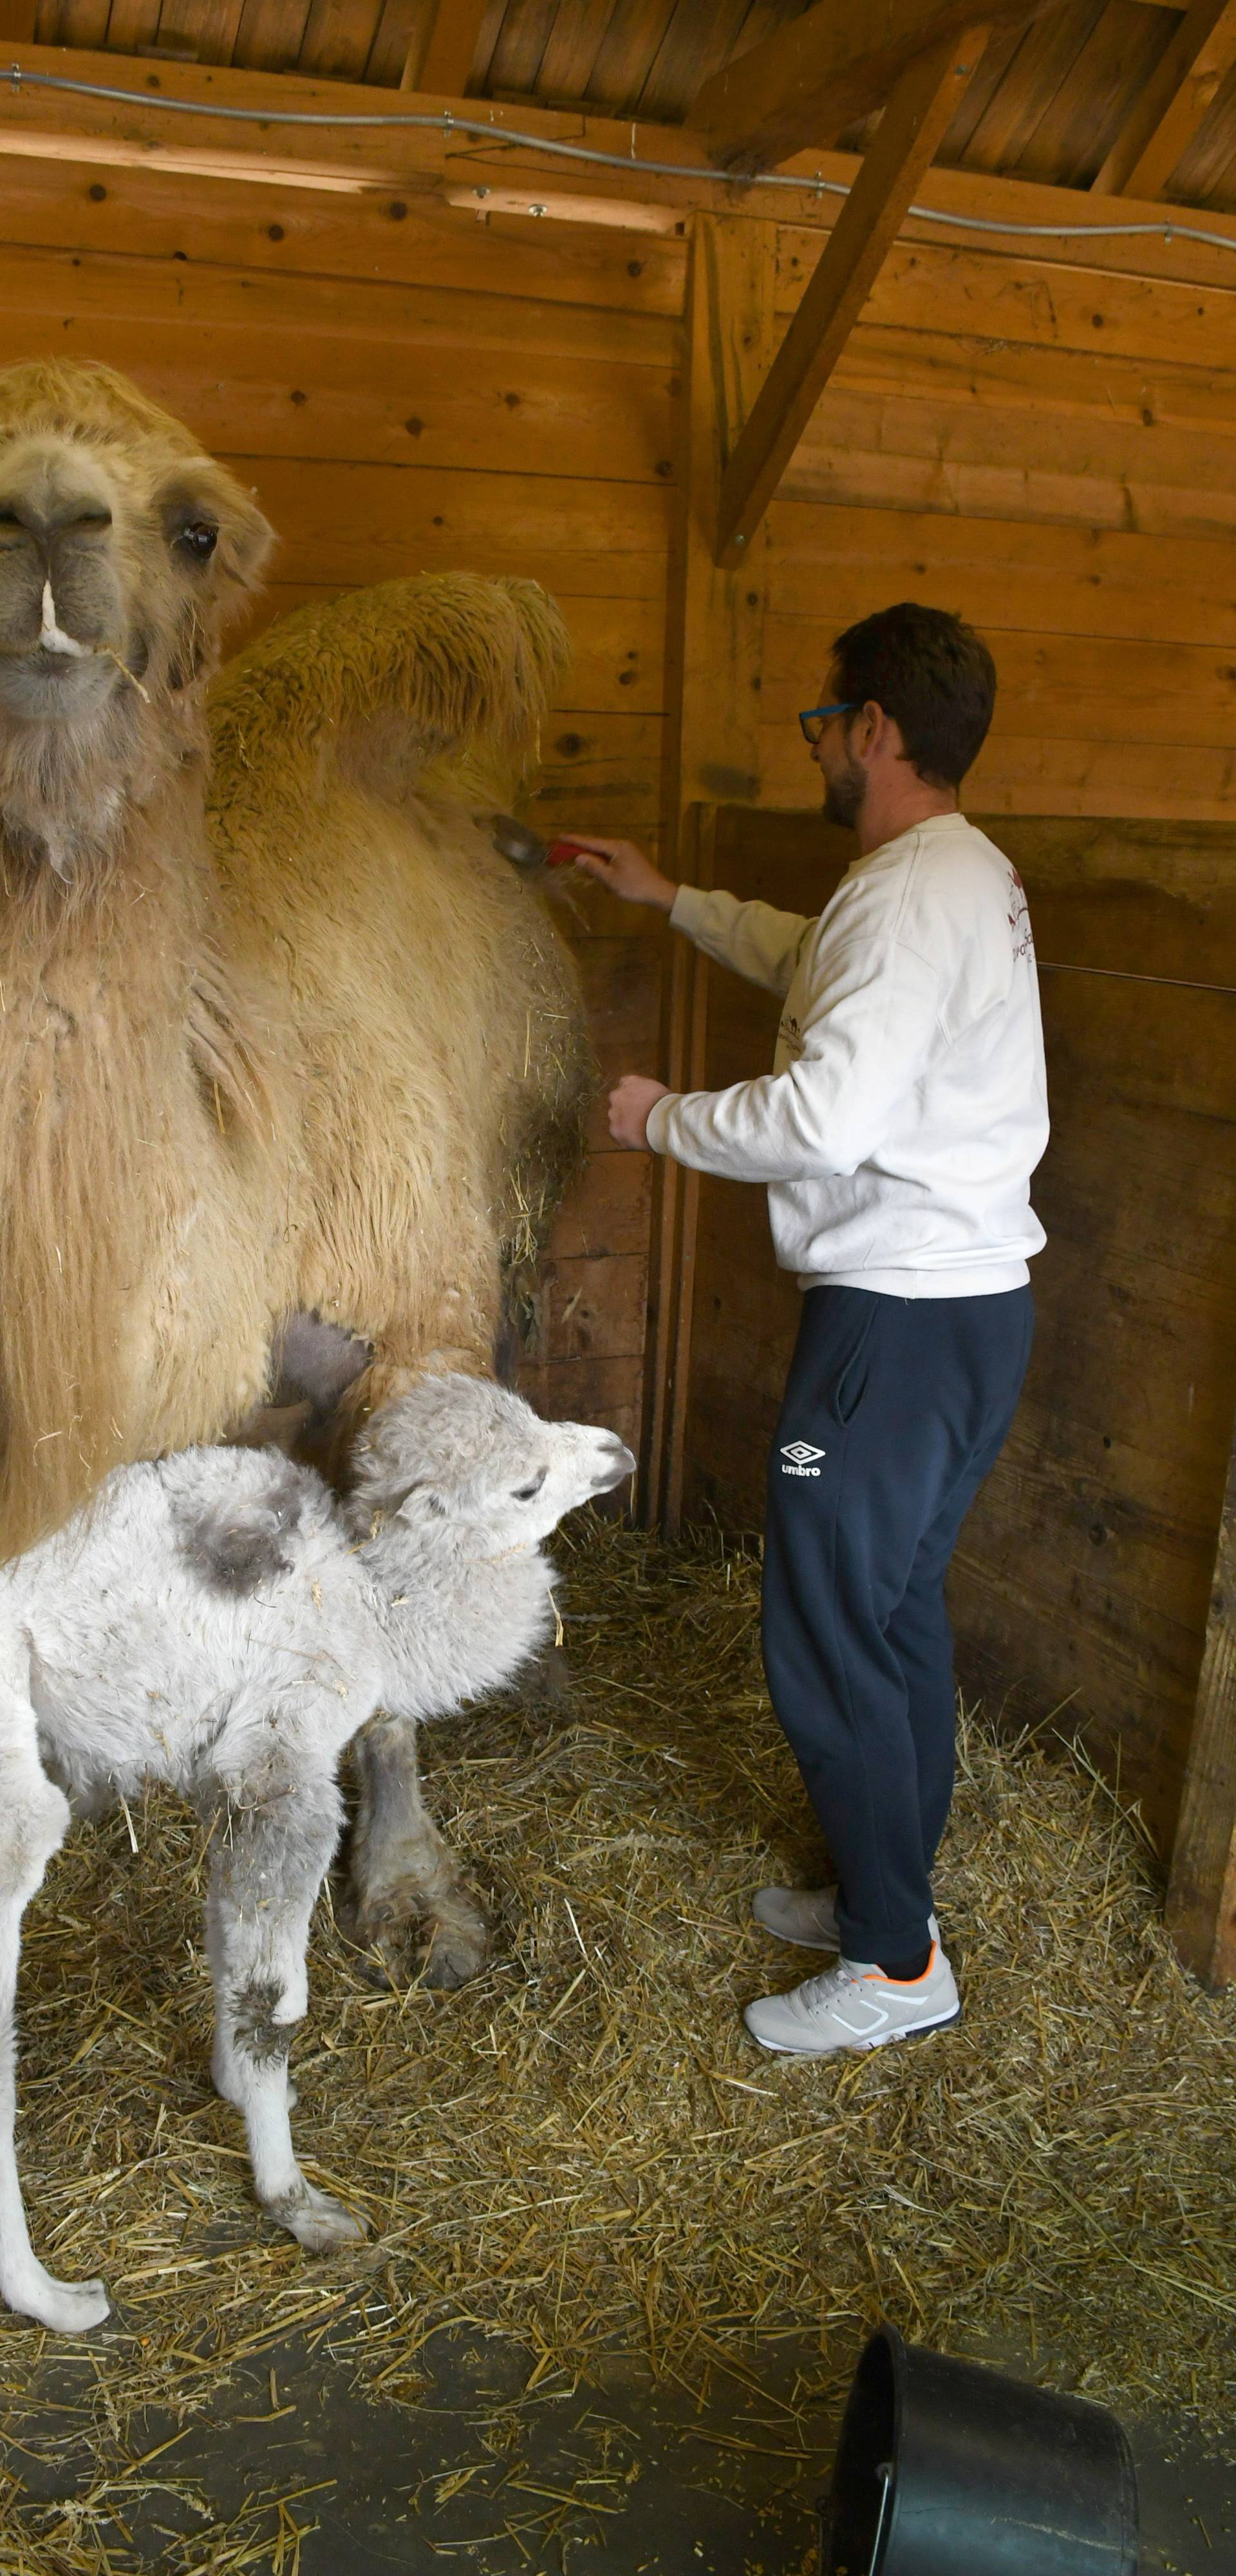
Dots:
pixel 402 1870
pixel 34 1817
pixel 267 1871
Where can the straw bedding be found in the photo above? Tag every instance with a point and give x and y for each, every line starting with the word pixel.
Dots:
pixel 584 2147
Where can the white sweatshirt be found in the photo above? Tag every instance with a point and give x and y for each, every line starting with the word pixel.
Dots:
pixel 907 1106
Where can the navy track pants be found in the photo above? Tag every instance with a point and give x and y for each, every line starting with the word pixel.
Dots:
pixel 895 1410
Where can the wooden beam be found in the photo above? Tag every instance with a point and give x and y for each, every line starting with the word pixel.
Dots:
pixel 809 80
pixel 1174 103
pixel 377 161
pixel 1201 1898
pixel 905 141
pixel 714 659
pixel 440 59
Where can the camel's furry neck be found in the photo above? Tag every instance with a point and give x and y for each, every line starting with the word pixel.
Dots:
pixel 73 796
pixel 119 1026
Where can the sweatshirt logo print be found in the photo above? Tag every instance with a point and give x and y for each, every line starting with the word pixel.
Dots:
pixel 801 1456
pixel 1019 917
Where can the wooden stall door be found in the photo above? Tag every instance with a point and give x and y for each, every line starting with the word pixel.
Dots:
pixel 1084 1573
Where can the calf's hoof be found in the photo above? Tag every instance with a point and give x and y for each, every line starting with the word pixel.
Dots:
pixel 317 2222
pixel 67 2307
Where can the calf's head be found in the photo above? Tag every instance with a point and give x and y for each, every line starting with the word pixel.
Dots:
pixel 462 1453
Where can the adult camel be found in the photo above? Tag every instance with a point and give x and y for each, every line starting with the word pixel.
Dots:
pixel 280 1035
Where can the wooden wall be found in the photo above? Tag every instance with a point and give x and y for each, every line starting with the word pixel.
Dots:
pixel 1052 451
pixel 409 390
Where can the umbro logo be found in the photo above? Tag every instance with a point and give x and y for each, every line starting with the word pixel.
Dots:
pixel 802 1458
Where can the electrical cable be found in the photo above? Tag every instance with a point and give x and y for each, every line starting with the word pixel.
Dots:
pixel 444 121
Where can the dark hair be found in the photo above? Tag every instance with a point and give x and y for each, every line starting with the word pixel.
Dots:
pixel 931 673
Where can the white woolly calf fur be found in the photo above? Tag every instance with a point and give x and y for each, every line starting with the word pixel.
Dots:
pixel 219 1622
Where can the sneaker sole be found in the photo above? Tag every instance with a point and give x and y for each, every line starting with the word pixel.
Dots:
pixel 860 2047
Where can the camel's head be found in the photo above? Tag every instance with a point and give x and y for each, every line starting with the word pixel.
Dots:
pixel 123 550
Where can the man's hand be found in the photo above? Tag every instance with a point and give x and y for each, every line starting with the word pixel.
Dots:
pixel 629 1106
pixel 626 871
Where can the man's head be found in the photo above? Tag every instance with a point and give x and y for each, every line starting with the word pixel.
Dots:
pixel 916 687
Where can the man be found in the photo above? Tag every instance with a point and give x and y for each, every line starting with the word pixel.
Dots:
pixel 896 1135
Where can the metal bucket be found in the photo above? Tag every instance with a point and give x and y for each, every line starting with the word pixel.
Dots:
pixel 946 2469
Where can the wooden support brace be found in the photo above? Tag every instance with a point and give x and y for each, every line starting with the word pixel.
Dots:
pixel 1174 103
pixel 1201 1901
pixel 812 77
pixel 905 141
pixel 713 666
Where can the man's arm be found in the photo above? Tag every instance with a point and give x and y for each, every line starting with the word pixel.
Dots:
pixel 864 1046
pixel 753 939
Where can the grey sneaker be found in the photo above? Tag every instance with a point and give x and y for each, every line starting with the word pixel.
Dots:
pixel 806 1916
pixel 855 2006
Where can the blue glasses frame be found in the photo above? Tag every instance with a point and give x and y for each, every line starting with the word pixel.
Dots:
pixel 818 716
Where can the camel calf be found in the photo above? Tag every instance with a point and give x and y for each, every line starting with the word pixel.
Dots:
pixel 219 1622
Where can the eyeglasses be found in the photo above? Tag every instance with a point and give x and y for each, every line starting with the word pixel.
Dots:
pixel 814 719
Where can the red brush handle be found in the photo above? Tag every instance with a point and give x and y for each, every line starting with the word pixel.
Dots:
pixel 560 853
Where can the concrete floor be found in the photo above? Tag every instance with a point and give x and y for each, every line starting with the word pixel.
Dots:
pixel 505 2482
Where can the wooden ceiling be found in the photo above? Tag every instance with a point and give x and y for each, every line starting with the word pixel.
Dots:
pixel 1050 101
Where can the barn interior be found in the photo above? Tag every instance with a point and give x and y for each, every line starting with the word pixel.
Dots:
pixel 727 321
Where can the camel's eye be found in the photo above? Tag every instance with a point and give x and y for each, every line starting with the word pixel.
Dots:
pixel 526 1493
pixel 198 539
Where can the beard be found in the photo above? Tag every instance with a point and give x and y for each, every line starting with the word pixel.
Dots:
pixel 845 795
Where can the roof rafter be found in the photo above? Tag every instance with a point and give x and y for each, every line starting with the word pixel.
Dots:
pixel 905 141
pixel 441 60
pixel 1170 109
pixel 810 79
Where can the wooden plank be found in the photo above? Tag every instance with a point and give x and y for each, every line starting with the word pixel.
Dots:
pixel 17 19
pixel 607 1212
pixel 1044 63
pixel 937 379
pixel 359 518
pixel 905 142
pixel 270 37
pixel 1092 689
pixel 1070 136
pixel 166 215
pixel 1008 296
pixel 1019 773
pixel 1201 1897
pixel 411 404
pixel 333 312
pixel 337 38
pixel 693 1076
pixel 814 76
pixel 1003 574
pixel 600 773
pixel 446 52
pixel 1174 103
pixel 714 664
pixel 978 486
pixel 595 1390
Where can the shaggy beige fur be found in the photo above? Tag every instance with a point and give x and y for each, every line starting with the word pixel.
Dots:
pixel 286 1035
